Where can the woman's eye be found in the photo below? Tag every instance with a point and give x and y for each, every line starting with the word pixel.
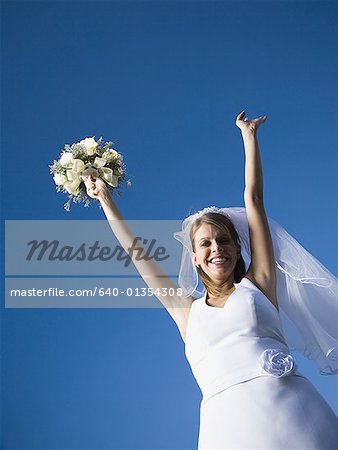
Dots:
pixel 222 241
pixel 205 243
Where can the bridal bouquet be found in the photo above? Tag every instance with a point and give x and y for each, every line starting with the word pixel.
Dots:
pixel 85 158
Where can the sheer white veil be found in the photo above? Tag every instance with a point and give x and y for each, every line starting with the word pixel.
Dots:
pixel 307 292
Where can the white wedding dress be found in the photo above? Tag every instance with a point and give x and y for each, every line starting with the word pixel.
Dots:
pixel 254 396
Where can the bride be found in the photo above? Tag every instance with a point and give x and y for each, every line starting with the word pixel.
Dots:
pixel 240 264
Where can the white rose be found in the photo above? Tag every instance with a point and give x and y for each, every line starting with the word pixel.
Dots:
pixel 111 155
pixel 90 145
pixel 66 159
pixel 60 179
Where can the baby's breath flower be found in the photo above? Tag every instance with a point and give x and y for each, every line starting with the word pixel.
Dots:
pixel 67 205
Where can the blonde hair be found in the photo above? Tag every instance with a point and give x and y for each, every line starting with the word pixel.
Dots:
pixel 224 224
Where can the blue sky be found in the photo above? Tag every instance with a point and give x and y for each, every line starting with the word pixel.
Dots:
pixel 164 81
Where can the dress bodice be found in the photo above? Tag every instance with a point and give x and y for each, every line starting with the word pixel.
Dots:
pixel 241 341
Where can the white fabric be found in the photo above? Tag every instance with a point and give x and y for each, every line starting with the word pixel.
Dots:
pixel 268 414
pixel 307 292
pixel 245 405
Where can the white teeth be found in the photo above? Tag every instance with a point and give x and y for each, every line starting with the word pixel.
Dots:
pixel 216 260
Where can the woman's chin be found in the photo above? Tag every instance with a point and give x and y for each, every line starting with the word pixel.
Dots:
pixel 219 275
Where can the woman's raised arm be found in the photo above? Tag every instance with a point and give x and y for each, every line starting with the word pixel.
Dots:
pixel 151 272
pixel 262 271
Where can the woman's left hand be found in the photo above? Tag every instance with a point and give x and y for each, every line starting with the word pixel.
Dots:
pixel 249 126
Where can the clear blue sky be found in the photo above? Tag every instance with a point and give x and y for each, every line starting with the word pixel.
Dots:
pixel 165 81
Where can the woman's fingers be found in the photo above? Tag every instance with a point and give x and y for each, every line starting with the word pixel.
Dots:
pixel 246 119
pixel 93 193
pixel 258 119
pixel 245 123
pixel 240 115
pixel 261 119
pixel 91 187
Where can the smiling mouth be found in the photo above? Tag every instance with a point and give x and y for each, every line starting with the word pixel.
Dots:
pixel 218 261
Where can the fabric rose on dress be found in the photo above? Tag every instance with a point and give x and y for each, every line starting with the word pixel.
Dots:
pixel 277 363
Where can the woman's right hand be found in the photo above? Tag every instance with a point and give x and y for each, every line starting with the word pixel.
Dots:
pixel 96 188
pixel 247 125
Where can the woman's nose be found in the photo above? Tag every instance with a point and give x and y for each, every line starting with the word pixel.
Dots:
pixel 216 247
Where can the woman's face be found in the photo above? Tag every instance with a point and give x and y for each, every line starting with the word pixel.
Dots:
pixel 215 252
